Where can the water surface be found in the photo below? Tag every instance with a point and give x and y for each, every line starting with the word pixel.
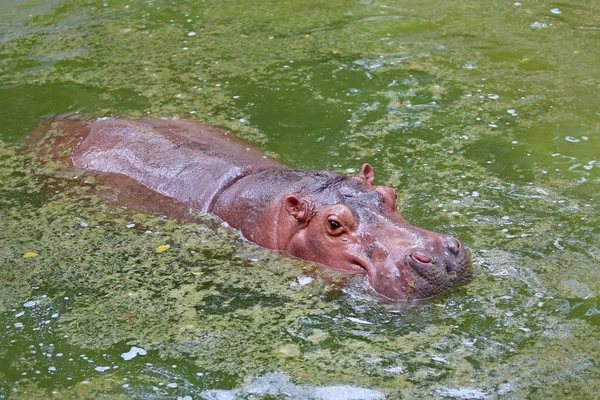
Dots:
pixel 485 117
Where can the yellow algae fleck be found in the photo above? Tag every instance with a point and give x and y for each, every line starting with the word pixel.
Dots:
pixel 162 248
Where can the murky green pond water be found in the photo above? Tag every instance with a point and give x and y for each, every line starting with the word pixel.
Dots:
pixel 485 116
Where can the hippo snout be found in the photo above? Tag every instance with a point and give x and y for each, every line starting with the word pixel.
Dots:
pixel 449 253
pixel 439 266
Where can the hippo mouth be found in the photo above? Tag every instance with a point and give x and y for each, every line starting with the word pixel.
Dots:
pixel 433 277
pixel 357 266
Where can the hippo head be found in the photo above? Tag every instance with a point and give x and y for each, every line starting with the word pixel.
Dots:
pixel 350 225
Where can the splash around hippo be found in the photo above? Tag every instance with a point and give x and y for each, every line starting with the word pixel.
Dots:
pixel 341 222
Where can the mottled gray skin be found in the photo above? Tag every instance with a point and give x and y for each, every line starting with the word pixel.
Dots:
pixel 340 222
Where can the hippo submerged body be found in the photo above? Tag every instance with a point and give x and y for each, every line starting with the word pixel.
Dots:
pixel 331 219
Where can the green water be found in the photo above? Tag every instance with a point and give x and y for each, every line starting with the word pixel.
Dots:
pixel 485 116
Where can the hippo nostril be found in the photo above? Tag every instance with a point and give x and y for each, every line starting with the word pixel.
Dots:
pixel 453 245
pixel 421 258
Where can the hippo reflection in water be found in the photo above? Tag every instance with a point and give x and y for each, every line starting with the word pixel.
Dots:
pixel 343 223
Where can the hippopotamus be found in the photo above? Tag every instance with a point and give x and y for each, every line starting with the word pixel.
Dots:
pixel 344 223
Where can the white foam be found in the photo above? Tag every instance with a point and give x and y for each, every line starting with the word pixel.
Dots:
pixel 133 352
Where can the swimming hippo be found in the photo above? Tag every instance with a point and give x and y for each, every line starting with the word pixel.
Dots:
pixel 344 223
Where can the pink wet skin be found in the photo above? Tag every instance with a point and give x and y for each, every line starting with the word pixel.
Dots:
pixel 340 222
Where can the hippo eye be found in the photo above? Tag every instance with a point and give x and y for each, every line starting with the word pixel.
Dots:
pixel 334 224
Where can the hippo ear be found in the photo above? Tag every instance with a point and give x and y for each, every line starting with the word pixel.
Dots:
pixel 367 174
pixel 297 208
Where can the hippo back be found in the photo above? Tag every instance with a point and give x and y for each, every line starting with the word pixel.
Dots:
pixel 185 160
